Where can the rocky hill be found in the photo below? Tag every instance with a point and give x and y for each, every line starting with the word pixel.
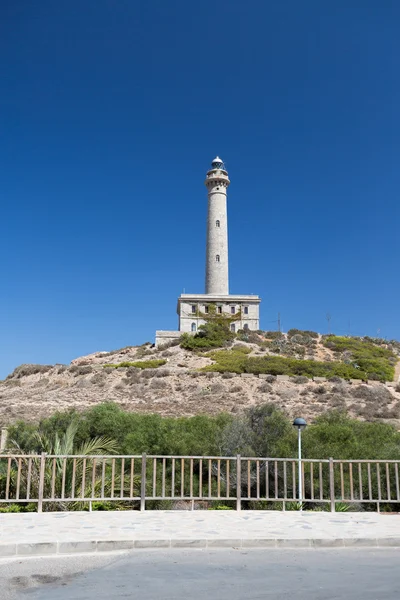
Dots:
pixel 176 382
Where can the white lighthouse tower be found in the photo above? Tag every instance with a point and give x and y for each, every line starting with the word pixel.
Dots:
pixel 217 275
pixel 193 308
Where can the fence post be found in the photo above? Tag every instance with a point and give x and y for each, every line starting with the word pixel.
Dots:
pixel 143 483
pixel 332 485
pixel 238 482
pixel 41 481
pixel 3 438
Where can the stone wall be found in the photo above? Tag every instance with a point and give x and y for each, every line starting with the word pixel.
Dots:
pixel 164 337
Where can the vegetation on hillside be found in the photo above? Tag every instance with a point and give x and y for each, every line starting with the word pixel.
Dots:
pixel 355 358
pixel 139 364
pixel 237 361
pixel 215 333
pixel 366 356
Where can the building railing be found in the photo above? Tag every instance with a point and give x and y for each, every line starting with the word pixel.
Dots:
pixel 54 482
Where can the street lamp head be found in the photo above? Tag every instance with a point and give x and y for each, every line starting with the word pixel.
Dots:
pixel 300 423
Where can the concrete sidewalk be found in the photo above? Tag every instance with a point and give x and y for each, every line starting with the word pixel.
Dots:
pixel 65 533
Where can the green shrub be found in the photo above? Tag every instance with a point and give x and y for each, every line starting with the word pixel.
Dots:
pixel 100 506
pixel 251 337
pixel 375 361
pixel 213 334
pixel 238 362
pixel 272 335
pixel 139 364
pixel 232 361
pixel 261 430
pixel 241 348
pixel 12 508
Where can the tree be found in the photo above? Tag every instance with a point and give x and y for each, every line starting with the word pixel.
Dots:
pixel 77 477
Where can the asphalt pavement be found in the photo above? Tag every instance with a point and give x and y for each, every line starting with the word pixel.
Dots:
pixel 303 574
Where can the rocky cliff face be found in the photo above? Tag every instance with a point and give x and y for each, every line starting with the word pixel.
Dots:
pixel 178 388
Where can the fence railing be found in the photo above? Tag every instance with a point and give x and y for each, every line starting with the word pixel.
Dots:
pixel 75 481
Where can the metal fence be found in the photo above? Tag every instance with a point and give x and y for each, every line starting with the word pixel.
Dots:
pixel 64 482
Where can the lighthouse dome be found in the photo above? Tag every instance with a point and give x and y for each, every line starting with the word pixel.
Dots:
pixel 218 163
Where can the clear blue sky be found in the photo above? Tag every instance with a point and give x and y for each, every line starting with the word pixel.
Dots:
pixel 110 113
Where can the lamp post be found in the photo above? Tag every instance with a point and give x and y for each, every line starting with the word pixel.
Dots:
pixel 300 424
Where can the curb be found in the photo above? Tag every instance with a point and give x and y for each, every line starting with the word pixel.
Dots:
pixel 92 546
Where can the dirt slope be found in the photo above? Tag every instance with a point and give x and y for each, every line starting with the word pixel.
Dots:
pixel 177 389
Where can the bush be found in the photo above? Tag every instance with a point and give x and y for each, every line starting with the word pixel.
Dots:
pixel 335 379
pixel 215 333
pixel 98 379
pixel 312 334
pixel 241 348
pixel 79 370
pixel 236 388
pixel 145 364
pixel 372 360
pixel 273 335
pixel 320 389
pixel 170 344
pixel 147 374
pixel 238 362
pixel 158 384
pixel 103 506
pixel 162 373
pixel 232 361
pixel 131 371
pixel 261 430
pixel 265 388
pixel 251 337
pixel 27 369
pixel 144 350
pixel 300 379
pixel 379 394
pixel 18 508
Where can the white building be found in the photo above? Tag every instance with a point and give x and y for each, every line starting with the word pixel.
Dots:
pixel 192 309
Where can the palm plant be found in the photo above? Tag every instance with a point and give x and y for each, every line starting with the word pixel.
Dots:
pixel 71 473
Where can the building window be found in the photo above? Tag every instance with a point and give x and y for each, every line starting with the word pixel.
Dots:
pixel 233 327
pixel 220 310
pixel 193 308
pixel 245 327
pixel 233 310
pixel 217 258
pixel 246 310
pixel 206 309
pixel 193 327
pixel 217 223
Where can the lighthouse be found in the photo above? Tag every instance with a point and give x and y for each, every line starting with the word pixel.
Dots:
pixel 193 309
pixel 217 267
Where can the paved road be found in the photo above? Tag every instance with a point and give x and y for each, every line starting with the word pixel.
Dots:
pixel 205 574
